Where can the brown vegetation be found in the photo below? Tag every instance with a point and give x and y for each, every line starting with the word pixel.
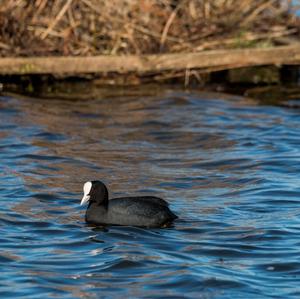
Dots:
pixel 97 27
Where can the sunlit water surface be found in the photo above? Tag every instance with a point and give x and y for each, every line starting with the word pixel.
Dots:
pixel 229 167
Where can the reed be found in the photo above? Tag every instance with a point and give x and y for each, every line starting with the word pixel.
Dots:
pixel 120 27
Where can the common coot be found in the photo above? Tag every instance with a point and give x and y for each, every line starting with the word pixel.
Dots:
pixel 144 211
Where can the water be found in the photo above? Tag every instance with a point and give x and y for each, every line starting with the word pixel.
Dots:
pixel 228 166
pixel 296 6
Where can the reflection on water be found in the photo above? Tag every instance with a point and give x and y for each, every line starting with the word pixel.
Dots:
pixel 229 168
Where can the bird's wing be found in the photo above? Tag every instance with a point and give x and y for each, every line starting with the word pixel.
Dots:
pixel 134 206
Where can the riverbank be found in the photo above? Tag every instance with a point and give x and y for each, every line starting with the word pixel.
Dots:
pixel 133 27
pixel 136 42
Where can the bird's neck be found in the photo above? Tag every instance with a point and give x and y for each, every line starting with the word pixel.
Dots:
pixel 103 203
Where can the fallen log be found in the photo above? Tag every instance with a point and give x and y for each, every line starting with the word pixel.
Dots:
pixel 208 60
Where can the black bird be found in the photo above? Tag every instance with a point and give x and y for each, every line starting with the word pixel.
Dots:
pixel 144 211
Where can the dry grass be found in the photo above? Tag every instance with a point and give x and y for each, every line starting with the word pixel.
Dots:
pixel 91 27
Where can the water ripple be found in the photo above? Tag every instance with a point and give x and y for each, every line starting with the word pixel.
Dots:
pixel 228 167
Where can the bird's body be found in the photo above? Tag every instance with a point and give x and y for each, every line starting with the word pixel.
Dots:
pixel 145 211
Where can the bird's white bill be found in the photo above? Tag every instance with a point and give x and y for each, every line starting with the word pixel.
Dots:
pixel 86 190
pixel 85 199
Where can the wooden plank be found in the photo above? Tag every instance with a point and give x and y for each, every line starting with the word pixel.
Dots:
pixel 222 59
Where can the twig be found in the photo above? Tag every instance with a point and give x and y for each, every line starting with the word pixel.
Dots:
pixel 247 38
pixel 167 26
pixel 257 11
pixel 4 46
pixel 56 20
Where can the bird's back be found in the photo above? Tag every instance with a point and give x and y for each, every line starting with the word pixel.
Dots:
pixel 139 211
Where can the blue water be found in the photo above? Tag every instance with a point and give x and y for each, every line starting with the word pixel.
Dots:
pixel 296 6
pixel 229 167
